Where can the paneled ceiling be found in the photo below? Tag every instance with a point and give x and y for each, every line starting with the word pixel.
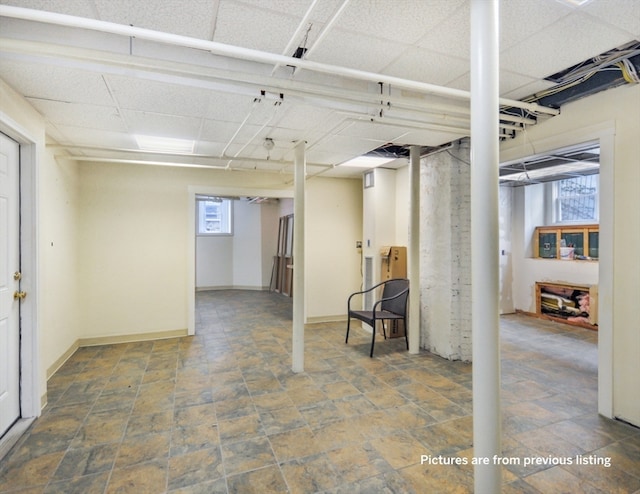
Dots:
pixel 221 73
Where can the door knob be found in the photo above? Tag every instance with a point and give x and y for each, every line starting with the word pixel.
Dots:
pixel 17 276
pixel 19 295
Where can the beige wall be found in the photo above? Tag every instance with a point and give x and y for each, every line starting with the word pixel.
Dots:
pixel 610 117
pixel 60 265
pixel 333 224
pixel 134 231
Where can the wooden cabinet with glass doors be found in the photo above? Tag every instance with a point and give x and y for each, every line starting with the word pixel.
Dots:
pixel 580 242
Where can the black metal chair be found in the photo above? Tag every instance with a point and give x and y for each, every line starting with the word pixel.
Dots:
pixel 392 306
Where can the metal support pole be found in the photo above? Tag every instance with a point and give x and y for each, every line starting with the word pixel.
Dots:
pixel 484 238
pixel 300 166
pixel 414 250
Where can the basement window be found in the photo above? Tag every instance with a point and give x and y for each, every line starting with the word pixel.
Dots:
pixel 214 215
pixel 576 199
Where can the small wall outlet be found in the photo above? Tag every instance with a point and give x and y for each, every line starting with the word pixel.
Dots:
pixel 358 244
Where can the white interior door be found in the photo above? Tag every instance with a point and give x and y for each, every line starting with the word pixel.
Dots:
pixel 9 284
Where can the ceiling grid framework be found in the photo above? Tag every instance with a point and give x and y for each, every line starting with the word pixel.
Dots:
pixel 96 88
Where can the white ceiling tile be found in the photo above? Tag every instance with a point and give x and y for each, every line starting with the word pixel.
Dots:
pixel 520 19
pixel 217 132
pixel 152 96
pixel 426 66
pixel 297 8
pixel 511 84
pixel 571 40
pixel 373 131
pixel 451 36
pixel 625 14
pixel 91 137
pixel 345 49
pixel 161 125
pixel 55 83
pixel 241 25
pixel 79 8
pixel 430 138
pixel 304 117
pixel 388 18
pixel 209 148
pixel 515 86
pixel 89 116
pixel 228 107
pixel 194 18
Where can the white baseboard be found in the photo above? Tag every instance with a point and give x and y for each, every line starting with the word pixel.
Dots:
pixel 234 287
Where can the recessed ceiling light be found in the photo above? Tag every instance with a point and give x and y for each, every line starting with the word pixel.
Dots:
pixel 165 144
pixel 367 161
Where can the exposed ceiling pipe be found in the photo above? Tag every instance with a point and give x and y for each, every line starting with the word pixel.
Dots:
pixel 328 26
pixel 250 54
pixel 294 39
pixel 191 157
pixel 104 60
pixel 100 159
pixel 210 78
pixel 255 134
pixel 240 127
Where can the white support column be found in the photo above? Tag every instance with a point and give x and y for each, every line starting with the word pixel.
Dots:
pixel 414 250
pixel 484 238
pixel 300 165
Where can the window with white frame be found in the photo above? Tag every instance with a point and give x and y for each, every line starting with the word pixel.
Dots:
pixel 214 215
pixel 576 199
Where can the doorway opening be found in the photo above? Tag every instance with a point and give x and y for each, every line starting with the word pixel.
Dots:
pixel 244 258
pixel 559 223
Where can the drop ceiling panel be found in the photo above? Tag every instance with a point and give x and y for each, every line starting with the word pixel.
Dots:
pixel 88 116
pixel 240 25
pixel 571 40
pixel 157 97
pixel 327 156
pixel 217 131
pixel 450 37
pixel 373 131
pixel 625 14
pixel 209 148
pixel 89 137
pixel 423 65
pixel 350 147
pixel 162 125
pixel 228 107
pixel 521 19
pixel 305 117
pixel 193 19
pixel 388 20
pixel 36 31
pixel 320 13
pixel 514 86
pixel 55 83
pixel 511 84
pixel 432 138
pixel 356 51
pixel 80 8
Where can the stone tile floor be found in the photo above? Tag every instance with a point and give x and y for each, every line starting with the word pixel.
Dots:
pixel 222 412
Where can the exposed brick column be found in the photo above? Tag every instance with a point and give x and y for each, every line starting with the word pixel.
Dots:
pixel 445 256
